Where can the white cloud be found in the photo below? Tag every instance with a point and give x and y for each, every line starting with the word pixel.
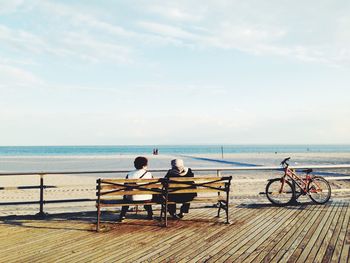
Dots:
pixel 16 77
pixel 177 11
pixel 273 28
pixel 9 6
pixel 167 30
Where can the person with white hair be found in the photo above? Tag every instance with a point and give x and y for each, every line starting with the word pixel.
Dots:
pixel 179 170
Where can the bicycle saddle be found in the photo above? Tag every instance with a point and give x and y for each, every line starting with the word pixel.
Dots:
pixel 307 171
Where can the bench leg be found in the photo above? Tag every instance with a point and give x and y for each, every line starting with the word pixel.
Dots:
pixel 227 221
pixel 220 205
pixel 161 212
pixel 165 215
pixel 98 219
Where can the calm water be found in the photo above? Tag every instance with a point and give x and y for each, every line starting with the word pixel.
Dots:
pixel 166 149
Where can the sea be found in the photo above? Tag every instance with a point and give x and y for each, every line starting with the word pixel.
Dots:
pixel 96 158
pixel 164 149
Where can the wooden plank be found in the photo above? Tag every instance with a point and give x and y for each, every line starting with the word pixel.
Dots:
pixel 156 251
pixel 247 248
pixel 178 185
pixel 289 227
pixel 318 254
pixel 184 244
pixel 122 181
pixel 37 250
pixel 251 237
pixel 187 250
pixel 33 240
pixel 294 236
pixel 290 246
pixel 317 237
pixel 132 192
pixel 341 238
pixel 173 179
pixel 185 232
pixel 213 246
pixel 119 237
pixel 199 179
pixel 109 187
pixel 345 257
pixel 201 190
pixel 159 239
pixel 125 203
pixel 152 238
pixel 296 231
pixel 304 248
pixel 198 237
pixel 335 237
pixel 251 228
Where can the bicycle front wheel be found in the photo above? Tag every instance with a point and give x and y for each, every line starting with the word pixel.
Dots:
pixel 279 191
pixel 319 190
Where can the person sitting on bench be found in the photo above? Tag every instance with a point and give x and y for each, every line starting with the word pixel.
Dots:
pixel 141 172
pixel 179 170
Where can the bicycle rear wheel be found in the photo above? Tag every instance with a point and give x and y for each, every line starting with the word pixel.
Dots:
pixel 279 191
pixel 319 190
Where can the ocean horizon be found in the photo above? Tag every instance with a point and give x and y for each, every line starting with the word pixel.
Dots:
pixel 104 150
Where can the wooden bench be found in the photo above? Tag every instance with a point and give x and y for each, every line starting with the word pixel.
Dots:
pixel 110 192
pixel 214 190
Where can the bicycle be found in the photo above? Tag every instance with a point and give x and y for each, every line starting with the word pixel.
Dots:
pixel 288 188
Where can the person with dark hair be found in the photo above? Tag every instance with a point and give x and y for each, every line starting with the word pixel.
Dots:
pixel 179 170
pixel 141 172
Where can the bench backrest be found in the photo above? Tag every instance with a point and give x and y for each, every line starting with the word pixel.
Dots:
pixel 180 185
pixel 109 189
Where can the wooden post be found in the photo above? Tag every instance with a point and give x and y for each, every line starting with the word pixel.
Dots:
pixel 98 215
pixel 41 213
pixel 228 199
pixel 218 174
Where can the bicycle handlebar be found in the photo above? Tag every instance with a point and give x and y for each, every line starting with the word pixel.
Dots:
pixel 284 162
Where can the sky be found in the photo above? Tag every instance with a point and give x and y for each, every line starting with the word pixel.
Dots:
pixel 174 72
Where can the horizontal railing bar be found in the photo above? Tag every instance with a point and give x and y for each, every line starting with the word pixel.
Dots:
pixel 204 169
pixel 92 186
pixel 25 187
pixel 48 202
pixel 21 203
pixel 255 180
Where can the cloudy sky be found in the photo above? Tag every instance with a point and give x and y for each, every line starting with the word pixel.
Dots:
pixel 174 72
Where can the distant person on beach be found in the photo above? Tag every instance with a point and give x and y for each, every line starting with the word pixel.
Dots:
pixel 179 170
pixel 141 172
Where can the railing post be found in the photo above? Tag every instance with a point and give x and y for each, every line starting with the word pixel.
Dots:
pixel 218 174
pixel 41 213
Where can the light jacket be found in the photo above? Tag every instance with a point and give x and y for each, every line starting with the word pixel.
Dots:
pixel 136 174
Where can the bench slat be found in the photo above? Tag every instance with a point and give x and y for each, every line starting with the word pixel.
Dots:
pixel 183 191
pixel 179 185
pixel 199 179
pixel 105 187
pixel 122 181
pixel 135 192
pixel 131 203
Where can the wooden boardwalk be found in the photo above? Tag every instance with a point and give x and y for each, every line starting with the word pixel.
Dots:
pixel 257 233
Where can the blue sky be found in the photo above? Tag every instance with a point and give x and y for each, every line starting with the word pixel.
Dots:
pixel 174 72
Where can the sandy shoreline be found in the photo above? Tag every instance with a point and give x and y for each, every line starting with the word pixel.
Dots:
pixel 83 187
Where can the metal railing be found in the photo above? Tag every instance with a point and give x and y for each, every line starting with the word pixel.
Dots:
pixel 216 170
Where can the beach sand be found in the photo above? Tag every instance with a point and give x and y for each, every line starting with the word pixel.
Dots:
pixel 245 185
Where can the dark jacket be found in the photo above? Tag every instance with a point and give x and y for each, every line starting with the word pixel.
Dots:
pixel 184 197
